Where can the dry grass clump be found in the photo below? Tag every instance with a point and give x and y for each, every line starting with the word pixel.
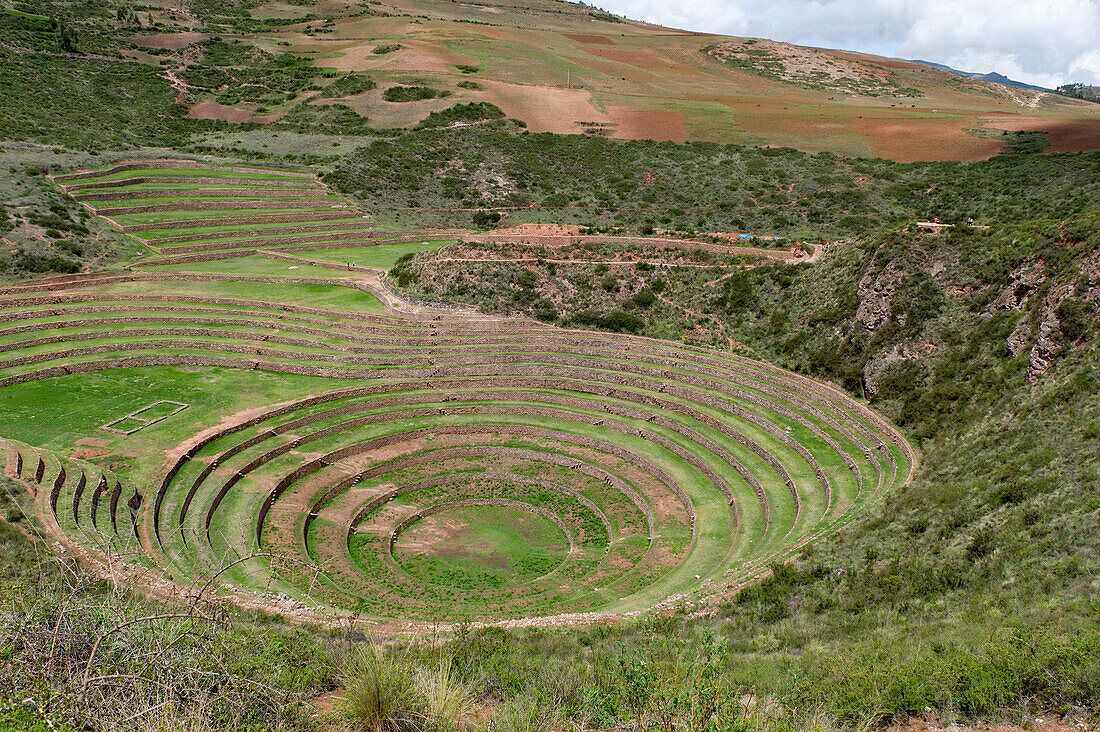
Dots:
pixel 387 692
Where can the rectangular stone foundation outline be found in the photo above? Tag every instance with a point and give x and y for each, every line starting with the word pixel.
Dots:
pixel 180 406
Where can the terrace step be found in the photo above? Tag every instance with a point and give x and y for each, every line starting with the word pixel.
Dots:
pixel 176 165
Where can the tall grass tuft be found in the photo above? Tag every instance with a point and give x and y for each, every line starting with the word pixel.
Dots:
pixel 381 694
pixel 447 699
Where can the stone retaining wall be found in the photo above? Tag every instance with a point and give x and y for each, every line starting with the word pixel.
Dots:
pixel 236 194
pixel 211 206
pixel 81 483
pixel 175 165
pixel 436 481
pixel 241 219
pixel 191 179
pixel 366 235
pixel 350 223
pixel 519 430
pixel 192 258
pixel 461 361
pixel 684 454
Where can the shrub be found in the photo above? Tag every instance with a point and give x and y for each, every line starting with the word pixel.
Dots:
pixel 386 48
pixel 446 698
pixel 347 86
pixel 918 300
pixel 620 321
pixel 468 112
pixel 70 247
pixel 1073 318
pixel 333 119
pixel 485 219
pixel 738 293
pixel 413 93
pixel 644 298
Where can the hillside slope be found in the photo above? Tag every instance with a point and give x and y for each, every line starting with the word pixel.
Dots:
pixel 554 66
pixel 566 68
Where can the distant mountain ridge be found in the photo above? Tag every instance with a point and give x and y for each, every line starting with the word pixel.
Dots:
pixel 992 76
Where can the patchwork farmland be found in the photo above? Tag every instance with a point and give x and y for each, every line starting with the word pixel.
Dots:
pixel 239 410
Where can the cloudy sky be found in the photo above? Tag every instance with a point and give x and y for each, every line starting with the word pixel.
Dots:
pixel 1044 42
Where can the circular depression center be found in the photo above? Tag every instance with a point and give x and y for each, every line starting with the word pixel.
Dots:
pixel 480 545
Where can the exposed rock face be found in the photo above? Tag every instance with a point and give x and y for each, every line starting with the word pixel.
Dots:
pixel 1021 283
pixel 1049 337
pixel 1019 338
pixel 1045 345
pixel 876 366
pixel 875 294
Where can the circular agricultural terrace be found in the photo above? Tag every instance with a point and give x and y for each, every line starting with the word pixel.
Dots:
pixel 450 466
pixel 487 468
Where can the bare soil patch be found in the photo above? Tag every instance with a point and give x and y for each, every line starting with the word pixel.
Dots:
pixel 415 56
pixel 890 63
pixel 544 108
pixel 642 59
pixel 808 66
pixel 226 113
pixel 620 71
pixel 171 41
pixel 907 140
pixel 589 39
pixel 1038 723
pixel 649 124
pixel 89 452
pixel 1066 135
pixel 432 531
pixel 541 230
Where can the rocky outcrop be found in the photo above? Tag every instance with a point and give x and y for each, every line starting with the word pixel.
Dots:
pixel 876 290
pixel 876 366
pixel 1021 283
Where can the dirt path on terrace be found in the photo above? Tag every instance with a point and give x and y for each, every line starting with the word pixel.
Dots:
pixel 723 278
pixel 656 262
pixel 1038 722
pixel 787 254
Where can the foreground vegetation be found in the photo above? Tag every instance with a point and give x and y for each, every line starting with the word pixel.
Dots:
pixel 214 668
pixel 969 594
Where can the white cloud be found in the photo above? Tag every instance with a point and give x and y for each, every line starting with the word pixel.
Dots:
pixel 1045 42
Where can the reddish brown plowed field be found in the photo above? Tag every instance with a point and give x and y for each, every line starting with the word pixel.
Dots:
pixel 545 108
pixel 416 56
pixel 654 124
pixel 642 59
pixel 907 140
pixel 1066 135
pixel 589 39
pixel 226 113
